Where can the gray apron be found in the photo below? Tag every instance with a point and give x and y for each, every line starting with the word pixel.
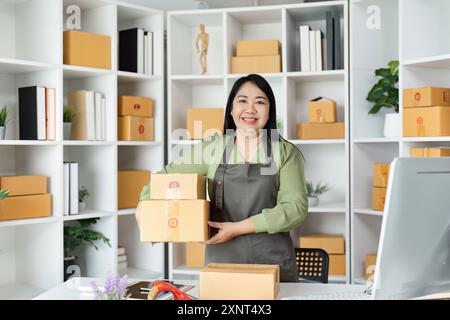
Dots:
pixel 239 192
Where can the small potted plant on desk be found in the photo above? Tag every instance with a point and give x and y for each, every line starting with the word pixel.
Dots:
pixel 3 122
pixel 68 115
pixel 83 194
pixel 314 192
pixel 4 194
pixel 76 236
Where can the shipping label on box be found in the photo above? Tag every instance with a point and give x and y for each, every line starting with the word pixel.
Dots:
pixel 378 198
pixel 24 185
pixel 256 64
pixel 222 281
pixel 135 106
pixel 178 186
pixel 311 131
pixel 246 48
pixel 336 264
pixel 322 110
pixel 430 152
pixel 426 97
pixel 332 244
pixel 204 122
pixel 381 174
pixel 174 220
pixel 195 255
pixel 87 49
pixel 129 187
pixel 26 207
pixel 135 129
pixel 426 122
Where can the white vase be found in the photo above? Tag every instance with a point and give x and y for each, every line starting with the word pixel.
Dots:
pixel 392 125
pixel 81 206
pixel 66 130
pixel 2 133
pixel 313 201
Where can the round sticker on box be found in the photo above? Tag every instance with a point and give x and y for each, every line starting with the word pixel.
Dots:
pixel 174 190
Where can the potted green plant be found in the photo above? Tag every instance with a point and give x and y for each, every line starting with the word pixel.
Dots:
pixel 384 94
pixel 76 236
pixel 4 194
pixel 68 115
pixel 83 194
pixel 3 121
pixel 314 192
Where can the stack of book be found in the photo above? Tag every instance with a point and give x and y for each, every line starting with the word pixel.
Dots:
pixel 89 122
pixel 319 53
pixel 70 188
pixel 122 260
pixel 37 113
pixel 136 51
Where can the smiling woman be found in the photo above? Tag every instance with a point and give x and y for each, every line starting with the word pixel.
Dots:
pixel 256 182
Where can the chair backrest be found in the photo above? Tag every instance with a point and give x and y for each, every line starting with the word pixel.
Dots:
pixel 312 264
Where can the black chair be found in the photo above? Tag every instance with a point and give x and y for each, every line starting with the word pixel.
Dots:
pixel 312 264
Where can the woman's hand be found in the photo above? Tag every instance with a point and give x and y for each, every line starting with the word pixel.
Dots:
pixel 230 230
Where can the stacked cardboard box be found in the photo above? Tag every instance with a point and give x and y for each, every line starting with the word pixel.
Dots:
pixel 177 210
pixel 28 197
pixel 369 265
pixel 203 122
pixel 130 183
pixel 426 112
pixel 257 56
pixel 87 49
pixel 321 121
pixel 135 118
pixel 380 182
pixel 334 245
pixel 430 152
pixel 195 255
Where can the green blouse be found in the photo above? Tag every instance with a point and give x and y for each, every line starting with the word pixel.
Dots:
pixel 292 204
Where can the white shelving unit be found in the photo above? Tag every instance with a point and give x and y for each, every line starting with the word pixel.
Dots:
pixel 292 89
pixel 31 251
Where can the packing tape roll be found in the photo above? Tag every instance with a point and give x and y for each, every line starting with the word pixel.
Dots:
pixel 172 213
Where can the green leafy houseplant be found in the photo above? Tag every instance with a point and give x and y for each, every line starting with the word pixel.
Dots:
pixel 315 191
pixel 83 193
pixel 68 114
pixel 385 92
pixel 3 116
pixel 4 194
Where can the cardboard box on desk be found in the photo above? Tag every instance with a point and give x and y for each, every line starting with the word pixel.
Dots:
pixel 26 207
pixel 256 64
pixel 322 110
pixel 195 255
pixel 87 49
pixel 332 244
pixel 202 122
pixel 174 220
pixel 430 152
pixel 426 121
pixel 222 281
pixel 177 186
pixel 337 264
pixel 135 106
pixel 426 97
pixel 381 174
pixel 378 198
pixel 135 129
pixel 311 131
pixel 129 187
pixel 246 48
pixel 24 185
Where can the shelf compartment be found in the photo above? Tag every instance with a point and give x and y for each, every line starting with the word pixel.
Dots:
pixel 89 214
pixel 16 66
pixel 377 140
pixel 368 211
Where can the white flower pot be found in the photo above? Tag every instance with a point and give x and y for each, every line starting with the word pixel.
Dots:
pixel 313 201
pixel 66 130
pixel 392 125
pixel 2 133
pixel 81 206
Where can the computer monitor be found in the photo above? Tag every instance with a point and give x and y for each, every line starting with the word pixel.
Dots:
pixel 414 249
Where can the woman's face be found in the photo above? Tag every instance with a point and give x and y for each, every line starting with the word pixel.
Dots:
pixel 250 108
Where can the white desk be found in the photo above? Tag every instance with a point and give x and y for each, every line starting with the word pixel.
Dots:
pixel 79 289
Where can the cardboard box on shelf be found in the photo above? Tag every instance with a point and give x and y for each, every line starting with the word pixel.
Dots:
pixel 256 64
pixel 332 244
pixel 195 255
pixel 174 220
pixel 129 187
pixel 369 265
pixel 135 106
pixel 248 48
pixel 24 185
pixel 426 122
pixel 307 131
pixel 321 110
pixel 87 49
pixel 378 198
pixel 135 129
pixel 430 152
pixel 426 97
pixel 222 281
pixel 203 122
pixel 381 174
pixel 26 207
pixel 336 264
pixel 177 186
